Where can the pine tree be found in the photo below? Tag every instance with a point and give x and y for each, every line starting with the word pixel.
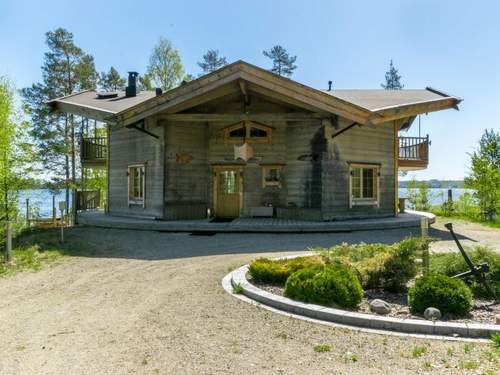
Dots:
pixel 212 61
pixel 165 66
pixel 283 63
pixel 111 81
pixel 392 79
pixel 66 69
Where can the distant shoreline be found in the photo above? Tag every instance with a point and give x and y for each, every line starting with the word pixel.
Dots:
pixel 437 184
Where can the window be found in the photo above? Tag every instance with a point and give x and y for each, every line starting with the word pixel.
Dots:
pixel 249 132
pixel 364 180
pixel 271 175
pixel 228 182
pixel 136 184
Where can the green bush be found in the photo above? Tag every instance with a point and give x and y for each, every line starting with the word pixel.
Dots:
pixel 451 264
pixel 277 271
pixel 442 292
pixel 389 267
pixel 326 285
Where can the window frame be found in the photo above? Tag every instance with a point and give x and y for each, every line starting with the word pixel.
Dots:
pixel 265 170
pixel 136 201
pixel 374 200
pixel 248 125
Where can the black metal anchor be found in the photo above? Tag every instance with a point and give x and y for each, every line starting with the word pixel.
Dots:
pixel 478 272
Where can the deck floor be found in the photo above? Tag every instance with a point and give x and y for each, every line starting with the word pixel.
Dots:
pixel 252 225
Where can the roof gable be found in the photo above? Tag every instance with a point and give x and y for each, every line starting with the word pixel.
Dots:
pixel 361 106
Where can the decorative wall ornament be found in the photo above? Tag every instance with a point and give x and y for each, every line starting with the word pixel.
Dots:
pixel 183 158
pixel 244 152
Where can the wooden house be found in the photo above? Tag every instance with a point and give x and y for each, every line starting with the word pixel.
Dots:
pixel 243 142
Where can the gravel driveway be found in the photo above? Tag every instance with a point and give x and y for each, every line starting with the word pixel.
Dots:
pixel 152 303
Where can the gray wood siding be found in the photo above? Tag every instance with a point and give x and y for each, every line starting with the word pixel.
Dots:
pixel 187 175
pixel 129 146
pixel 369 145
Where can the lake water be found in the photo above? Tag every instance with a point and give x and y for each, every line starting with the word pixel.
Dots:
pixel 438 196
pixel 41 199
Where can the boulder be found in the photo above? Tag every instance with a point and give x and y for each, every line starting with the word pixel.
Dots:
pixel 379 306
pixel 431 313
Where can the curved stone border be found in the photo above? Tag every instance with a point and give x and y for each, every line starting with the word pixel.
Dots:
pixel 359 320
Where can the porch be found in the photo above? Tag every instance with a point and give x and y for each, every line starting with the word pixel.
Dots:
pixel 413 153
pixel 253 225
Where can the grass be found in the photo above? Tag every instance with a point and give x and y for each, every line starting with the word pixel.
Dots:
pixel 34 249
pixel 495 340
pixel 237 288
pixel 469 365
pixel 322 348
pixel 418 351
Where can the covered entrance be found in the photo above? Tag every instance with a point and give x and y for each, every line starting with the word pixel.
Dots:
pixel 228 190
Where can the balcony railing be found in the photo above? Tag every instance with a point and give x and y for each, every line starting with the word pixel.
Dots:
pixel 94 151
pixel 413 153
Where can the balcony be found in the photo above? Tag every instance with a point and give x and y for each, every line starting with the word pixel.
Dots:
pixel 413 153
pixel 94 152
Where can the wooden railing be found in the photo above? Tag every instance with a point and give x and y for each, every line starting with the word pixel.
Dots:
pixel 94 149
pixel 413 152
pixel 88 200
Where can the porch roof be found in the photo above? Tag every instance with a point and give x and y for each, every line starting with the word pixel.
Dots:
pixel 361 106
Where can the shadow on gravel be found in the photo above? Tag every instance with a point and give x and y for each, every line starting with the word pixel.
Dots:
pixel 145 245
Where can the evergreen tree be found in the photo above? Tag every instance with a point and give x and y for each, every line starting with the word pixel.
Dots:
pixel 111 81
pixel 392 79
pixel 485 174
pixel 212 61
pixel 165 66
pixel 66 69
pixel 283 63
pixel 145 83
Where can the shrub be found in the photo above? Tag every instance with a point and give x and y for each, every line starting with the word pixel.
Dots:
pixel 325 285
pixel 451 264
pixel 442 292
pixel 383 266
pixel 277 271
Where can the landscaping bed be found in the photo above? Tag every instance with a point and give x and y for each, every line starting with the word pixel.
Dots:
pixel 354 277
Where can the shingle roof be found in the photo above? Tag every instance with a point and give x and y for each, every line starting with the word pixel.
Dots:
pixel 110 105
pixel 380 99
pixel 362 106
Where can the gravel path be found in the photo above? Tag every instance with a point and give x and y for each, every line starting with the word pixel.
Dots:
pixel 152 303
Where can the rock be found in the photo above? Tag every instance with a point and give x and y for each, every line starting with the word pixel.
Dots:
pixel 379 306
pixel 431 313
pixel 497 319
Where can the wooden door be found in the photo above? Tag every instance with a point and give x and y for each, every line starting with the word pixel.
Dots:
pixel 228 191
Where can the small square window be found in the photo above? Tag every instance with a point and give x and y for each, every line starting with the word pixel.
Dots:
pixel 271 175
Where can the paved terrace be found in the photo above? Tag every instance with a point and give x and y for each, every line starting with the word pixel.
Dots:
pixel 253 225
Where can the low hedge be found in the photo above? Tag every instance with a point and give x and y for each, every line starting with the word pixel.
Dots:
pixel 277 271
pixel 442 292
pixel 325 285
pixel 379 266
pixel 451 264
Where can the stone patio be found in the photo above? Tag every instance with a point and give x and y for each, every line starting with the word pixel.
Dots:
pixel 253 225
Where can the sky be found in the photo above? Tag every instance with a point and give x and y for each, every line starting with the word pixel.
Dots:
pixel 450 45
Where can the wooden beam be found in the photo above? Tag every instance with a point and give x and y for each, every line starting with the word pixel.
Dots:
pixel 243 88
pixel 230 117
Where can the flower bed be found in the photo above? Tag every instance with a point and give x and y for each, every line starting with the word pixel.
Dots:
pixel 385 272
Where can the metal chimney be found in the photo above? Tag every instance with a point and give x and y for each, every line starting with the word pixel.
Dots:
pixel 330 85
pixel 131 89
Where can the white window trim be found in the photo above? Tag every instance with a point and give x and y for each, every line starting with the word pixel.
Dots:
pixel 136 202
pixel 265 168
pixel 353 202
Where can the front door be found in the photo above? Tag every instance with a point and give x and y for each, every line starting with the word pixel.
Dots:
pixel 228 191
